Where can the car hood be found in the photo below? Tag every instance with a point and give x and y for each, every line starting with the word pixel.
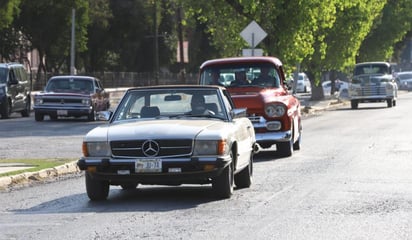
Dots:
pixel 255 98
pixel 162 128
pixel 371 78
pixel 64 94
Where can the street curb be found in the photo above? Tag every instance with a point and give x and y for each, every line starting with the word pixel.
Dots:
pixel 29 177
pixel 312 109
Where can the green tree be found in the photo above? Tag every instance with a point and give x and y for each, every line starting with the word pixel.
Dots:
pixel 126 43
pixel 47 25
pixel 393 24
pixel 98 56
pixel 338 42
pixel 10 38
pixel 8 10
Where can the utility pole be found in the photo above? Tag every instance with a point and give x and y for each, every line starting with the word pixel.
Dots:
pixel 72 48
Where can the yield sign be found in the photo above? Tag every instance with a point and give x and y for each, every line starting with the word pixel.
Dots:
pixel 253 34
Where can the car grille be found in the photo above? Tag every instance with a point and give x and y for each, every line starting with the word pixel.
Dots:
pixel 254 119
pixel 167 148
pixel 372 90
pixel 59 101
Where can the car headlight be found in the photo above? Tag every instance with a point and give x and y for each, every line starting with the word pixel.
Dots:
pixel 275 110
pixel 86 101
pixel 389 87
pixel 38 101
pixel 96 149
pixel 210 147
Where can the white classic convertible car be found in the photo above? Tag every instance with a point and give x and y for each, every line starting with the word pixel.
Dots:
pixel 171 135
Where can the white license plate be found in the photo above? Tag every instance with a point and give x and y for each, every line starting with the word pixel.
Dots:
pixel 62 112
pixel 148 165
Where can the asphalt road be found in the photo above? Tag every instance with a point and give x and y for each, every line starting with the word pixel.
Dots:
pixel 350 180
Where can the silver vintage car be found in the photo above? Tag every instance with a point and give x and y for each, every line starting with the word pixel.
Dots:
pixel 373 82
pixel 171 135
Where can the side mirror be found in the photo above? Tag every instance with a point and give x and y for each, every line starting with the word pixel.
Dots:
pixel 104 115
pixel 238 113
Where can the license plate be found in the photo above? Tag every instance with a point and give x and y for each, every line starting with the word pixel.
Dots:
pixel 62 112
pixel 148 165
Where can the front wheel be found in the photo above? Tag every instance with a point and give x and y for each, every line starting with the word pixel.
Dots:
pixel 223 184
pixel 5 110
pixel 26 111
pixel 296 145
pixel 285 149
pixel 92 115
pixel 389 102
pixel 38 116
pixel 354 104
pixel 97 190
pixel 244 178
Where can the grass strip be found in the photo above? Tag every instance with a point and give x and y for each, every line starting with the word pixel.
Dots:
pixel 35 165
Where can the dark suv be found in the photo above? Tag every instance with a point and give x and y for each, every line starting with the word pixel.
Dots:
pixel 14 90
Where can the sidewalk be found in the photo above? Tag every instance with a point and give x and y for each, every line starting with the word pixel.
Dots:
pixel 308 108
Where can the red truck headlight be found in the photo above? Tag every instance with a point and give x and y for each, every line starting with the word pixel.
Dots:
pixel 275 110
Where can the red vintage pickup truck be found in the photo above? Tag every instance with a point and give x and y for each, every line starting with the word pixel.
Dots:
pixel 258 84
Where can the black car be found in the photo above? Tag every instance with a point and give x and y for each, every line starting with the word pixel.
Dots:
pixel 14 90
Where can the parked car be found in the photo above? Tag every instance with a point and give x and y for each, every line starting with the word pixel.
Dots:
pixel 404 80
pixel 260 87
pixel 171 135
pixel 373 82
pixel 71 96
pixel 303 83
pixel 15 90
pixel 341 88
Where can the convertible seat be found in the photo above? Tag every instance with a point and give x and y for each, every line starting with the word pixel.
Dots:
pixel 212 107
pixel 149 112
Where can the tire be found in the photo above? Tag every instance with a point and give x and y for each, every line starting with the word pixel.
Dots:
pixel 244 178
pixel 92 116
pixel 38 116
pixel 27 108
pixel 394 103
pixel 5 110
pixel 96 190
pixel 296 145
pixel 389 103
pixel 285 149
pixel 223 184
pixel 354 104
pixel 128 186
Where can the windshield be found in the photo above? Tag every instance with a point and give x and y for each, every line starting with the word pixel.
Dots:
pixel 170 103
pixel 372 69
pixel 3 75
pixel 70 85
pixel 405 76
pixel 241 75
